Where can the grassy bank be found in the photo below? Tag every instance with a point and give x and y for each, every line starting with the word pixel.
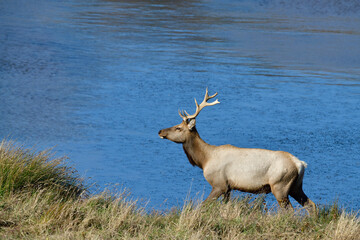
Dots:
pixel 42 198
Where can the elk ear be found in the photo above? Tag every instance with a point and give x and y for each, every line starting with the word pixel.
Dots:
pixel 191 124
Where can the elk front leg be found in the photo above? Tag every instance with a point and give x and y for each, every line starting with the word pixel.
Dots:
pixel 215 194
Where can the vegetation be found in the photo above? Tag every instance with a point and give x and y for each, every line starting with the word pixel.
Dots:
pixel 42 198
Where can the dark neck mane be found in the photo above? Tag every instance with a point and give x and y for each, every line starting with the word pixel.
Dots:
pixel 196 150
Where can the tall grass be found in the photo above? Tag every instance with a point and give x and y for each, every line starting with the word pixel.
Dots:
pixel 24 169
pixel 30 211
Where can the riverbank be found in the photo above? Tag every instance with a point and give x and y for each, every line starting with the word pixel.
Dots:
pixel 42 198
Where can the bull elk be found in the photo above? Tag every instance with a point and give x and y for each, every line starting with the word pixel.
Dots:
pixel 229 168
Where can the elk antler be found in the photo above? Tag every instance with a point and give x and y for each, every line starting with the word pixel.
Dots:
pixel 184 115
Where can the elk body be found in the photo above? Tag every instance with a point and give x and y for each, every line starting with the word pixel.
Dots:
pixel 229 168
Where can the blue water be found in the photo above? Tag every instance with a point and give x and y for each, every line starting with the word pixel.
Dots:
pixel 99 79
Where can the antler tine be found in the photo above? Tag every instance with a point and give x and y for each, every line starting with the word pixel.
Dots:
pixel 182 115
pixel 197 105
pixel 212 96
pixel 207 98
pixel 186 113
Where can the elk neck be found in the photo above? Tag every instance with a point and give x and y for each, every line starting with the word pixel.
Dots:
pixel 197 150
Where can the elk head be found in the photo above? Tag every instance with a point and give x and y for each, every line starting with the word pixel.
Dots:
pixel 180 133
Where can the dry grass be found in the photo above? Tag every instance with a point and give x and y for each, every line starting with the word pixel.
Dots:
pixel 33 212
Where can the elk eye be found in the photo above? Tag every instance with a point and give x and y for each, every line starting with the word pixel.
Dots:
pixel 178 128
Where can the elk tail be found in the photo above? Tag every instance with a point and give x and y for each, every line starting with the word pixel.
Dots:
pixel 300 165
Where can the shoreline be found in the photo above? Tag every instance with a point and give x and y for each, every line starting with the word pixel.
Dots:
pixel 42 198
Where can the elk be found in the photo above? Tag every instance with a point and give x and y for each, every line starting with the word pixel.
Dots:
pixel 227 167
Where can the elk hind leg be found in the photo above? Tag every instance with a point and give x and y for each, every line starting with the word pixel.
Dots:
pixel 281 194
pixel 227 196
pixel 299 195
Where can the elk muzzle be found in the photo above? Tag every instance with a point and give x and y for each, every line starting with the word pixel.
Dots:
pixel 162 134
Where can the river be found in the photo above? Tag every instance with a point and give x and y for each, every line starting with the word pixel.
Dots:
pixel 98 80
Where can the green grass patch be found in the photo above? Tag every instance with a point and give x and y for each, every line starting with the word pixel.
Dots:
pixel 26 170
